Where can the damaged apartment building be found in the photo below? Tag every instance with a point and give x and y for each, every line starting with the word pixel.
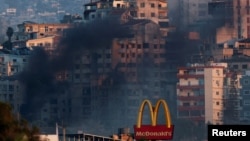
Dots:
pixel 103 87
pixel 131 69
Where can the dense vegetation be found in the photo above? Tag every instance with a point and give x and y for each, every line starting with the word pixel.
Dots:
pixel 14 128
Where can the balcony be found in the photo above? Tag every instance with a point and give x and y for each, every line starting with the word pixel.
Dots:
pixel 190 86
pixel 188 108
pixel 190 76
pixel 190 98
pixel 163 8
pixel 162 17
pixel 163 20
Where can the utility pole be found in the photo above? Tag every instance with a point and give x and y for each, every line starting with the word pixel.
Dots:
pixel 64 131
pixel 64 134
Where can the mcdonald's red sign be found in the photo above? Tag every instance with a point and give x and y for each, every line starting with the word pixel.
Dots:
pixel 154 131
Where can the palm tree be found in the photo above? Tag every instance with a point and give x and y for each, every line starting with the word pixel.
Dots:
pixel 9 33
pixel 8 44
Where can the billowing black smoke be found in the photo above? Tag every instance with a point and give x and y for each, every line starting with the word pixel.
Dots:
pixel 38 78
pixel 89 36
pixel 181 44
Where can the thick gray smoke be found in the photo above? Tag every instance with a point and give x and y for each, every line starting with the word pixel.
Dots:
pixel 39 76
pixel 220 13
pixel 89 36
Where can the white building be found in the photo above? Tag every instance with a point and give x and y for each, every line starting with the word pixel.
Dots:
pixel 10 89
pixel 214 93
pixel 12 63
pixel 200 92
pixel 11 11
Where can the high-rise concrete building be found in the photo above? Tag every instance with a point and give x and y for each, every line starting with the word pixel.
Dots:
pixel 46 35
pixel 232 97
pixel 156 11
pixel 31 30
pixel 137 65
pixel 200 92
pixel 11 90
pixel 193 12
pixel 238 27
pixel 245 112
pixel 112 85
pixel 106 85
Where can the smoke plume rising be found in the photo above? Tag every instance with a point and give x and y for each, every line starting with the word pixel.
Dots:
pixel 38 77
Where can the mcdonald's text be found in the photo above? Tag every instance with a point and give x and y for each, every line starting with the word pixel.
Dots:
pixel 147 133
pixel 158 132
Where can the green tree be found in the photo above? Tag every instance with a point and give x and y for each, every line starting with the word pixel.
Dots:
pixel 14 129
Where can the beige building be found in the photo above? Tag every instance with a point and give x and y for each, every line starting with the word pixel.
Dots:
pixel 30 30
pixel 231 50
pixel 49 43
pixel 140 61
pixel 214 93
pixel 240 27
pixel 155 10
pixel 200 92
pixel 131 69
pixel 31 34
pixel 223 51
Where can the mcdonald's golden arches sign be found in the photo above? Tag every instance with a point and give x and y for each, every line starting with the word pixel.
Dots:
pixel 154 131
